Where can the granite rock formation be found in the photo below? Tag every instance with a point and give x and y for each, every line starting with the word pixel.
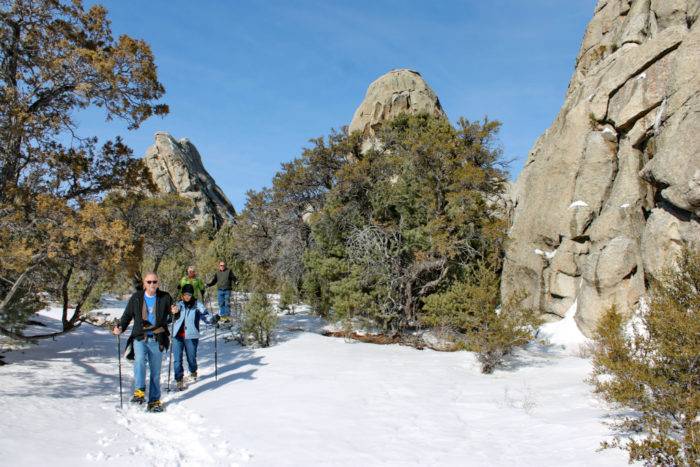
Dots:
pixel 611 191
pixel 396 92
pixel 176 167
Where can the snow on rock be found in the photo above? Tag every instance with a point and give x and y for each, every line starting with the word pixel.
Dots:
pixel 546 254
pixel 307 400
pixel 565 332
pixel 578 204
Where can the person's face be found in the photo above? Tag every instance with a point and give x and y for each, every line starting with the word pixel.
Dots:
pixel 150 283
pixel 186 297
pixel 190 272
pixel 222 266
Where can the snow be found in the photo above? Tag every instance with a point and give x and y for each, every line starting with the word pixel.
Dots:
pixel 658 119
pixel 565 333
pixel 307 400
pixel 546 254
pixel 578 204
pixel 625 206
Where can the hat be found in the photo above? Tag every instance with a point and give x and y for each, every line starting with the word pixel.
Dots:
pixel 187 288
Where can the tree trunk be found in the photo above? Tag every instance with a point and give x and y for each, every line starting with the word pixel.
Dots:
pixel 36 259
pixel 81 301
pixel 64 294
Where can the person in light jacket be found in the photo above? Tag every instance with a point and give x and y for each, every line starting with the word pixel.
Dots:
pixel 186 333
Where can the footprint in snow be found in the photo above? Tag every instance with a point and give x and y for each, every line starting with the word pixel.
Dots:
pixel 174 437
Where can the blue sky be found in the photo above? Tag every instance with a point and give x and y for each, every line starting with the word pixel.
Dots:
pixel 250 82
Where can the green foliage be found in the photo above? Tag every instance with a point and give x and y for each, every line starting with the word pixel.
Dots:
pixel 470 307
pixel 259 319
pixel 272 233
pixel 652 366
pixel 160 231
pixel 164 224
pixel 288 296
pixel 405 220
pixel 223 247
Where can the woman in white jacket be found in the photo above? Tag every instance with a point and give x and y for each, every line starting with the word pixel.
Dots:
pixel 186 333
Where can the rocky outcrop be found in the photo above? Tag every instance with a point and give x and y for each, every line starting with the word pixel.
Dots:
pixel 611 190
pixel 399 91
pixel 176 167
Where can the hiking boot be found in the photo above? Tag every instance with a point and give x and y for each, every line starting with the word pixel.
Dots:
pixel 155 406
pixel 193 376
pixel 139 396
pixel 180 384
pixel 225 320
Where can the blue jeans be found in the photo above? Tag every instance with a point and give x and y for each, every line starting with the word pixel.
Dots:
pixel 190 347
pixel 148 350
pixel 224 297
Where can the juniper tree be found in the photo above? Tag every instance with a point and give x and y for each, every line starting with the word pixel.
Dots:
pixel 407 218
pixel 56 58
pixel 651 365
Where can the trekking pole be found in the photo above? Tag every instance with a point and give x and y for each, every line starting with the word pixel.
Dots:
pixel 216 327
pixel 216 353
pixel 119 356
pixel 172 340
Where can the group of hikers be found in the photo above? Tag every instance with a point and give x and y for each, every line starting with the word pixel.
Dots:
pixel 153 310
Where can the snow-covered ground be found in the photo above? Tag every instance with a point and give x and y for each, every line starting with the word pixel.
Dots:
pixel 308 400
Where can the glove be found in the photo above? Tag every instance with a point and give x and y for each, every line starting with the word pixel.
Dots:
pixel 163 341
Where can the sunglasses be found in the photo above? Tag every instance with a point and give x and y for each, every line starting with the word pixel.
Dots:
pixel 151 282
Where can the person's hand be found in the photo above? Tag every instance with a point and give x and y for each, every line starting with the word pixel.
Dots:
pixel 173 309
pixel 117 330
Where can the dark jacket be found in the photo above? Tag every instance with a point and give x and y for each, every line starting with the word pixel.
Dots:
pixel 134 309
pixel 223 279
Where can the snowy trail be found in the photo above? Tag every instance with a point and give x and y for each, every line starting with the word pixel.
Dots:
pixel 307 401
pixel 176 437
pixel 72 381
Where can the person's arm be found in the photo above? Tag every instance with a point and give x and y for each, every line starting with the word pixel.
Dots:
pixel 126 318
pixel 213 281
pixel 232 279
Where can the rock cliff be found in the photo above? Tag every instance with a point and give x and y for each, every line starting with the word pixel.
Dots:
pixel 176 167
pixel 611 190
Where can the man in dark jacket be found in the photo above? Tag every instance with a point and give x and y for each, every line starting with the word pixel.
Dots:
pixel 224 280
pixel 149 309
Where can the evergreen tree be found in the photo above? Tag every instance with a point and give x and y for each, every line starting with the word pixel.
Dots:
pixel 651 365
pixel 58 58
pixel 407 219
pixel 259 319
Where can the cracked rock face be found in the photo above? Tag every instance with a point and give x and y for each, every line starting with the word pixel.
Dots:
pixel 176 167
pixel 611 191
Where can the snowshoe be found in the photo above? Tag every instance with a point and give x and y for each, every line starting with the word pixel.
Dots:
pixel 139 397
pixel 155 406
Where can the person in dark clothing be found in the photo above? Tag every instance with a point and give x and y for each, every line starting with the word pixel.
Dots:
pixel 224 280
pixel 186 333
pixel 149 309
